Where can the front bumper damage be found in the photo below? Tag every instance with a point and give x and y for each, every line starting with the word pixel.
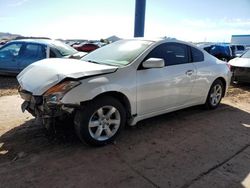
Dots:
pixel 48 112
pixel 33 104
pixel 240 74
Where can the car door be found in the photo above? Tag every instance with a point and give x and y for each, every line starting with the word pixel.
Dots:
pixel 168 87
pixel 203 72
pixel 8 57
pixel 31 53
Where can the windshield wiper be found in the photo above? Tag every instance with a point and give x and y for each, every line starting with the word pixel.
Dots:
pixel 100 63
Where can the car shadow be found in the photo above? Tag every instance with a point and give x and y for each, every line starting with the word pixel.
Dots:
pixel 244 86
pixel 32 137
pixel 203 139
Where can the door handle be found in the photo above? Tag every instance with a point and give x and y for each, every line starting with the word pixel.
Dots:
pixel 189 72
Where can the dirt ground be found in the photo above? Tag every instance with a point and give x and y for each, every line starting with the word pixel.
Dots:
pixel 8 85
pixel 188 148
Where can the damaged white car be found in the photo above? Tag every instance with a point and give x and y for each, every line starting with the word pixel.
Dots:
pixel 240 68
pixel 124 82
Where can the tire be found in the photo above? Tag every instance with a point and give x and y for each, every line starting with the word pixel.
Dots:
pixel 100 121
pixel 215 94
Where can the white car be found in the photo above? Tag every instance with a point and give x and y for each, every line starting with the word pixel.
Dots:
pixel 240 68
pixel 124 82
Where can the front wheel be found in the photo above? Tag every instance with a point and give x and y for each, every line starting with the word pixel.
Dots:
pixel 100 121
pixel 215 95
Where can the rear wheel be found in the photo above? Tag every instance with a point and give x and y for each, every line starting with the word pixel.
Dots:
pixel 100 121
pixel 215 94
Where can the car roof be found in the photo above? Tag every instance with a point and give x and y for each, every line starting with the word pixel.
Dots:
pixel 152 39
pixel 162 39
pixel 165 39
pixel 48 42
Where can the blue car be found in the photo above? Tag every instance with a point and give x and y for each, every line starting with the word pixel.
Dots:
pixel 18 54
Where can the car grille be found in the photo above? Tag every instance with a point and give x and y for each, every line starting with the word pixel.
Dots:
pixel 241 69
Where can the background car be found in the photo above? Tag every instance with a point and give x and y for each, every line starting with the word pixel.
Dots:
pixel 86 47
pixel 3 42
pixel 220 51
pixel 240 68
pixel 18 54
pixel 237 50
pixel 123 82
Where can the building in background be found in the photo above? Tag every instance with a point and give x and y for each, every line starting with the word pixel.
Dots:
pixel 240 40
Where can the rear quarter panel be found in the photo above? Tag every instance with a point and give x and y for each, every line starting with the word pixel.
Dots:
pixel 207 72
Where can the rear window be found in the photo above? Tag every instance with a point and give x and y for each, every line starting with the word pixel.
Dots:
pixel 197 55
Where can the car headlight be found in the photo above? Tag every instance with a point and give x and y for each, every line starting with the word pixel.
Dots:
pixel 56 93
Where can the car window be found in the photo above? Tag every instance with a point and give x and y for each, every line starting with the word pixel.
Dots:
pixel 52 54
pixel 63 49
pixel 172 53
pixel 10 50
pixel 208 49
pixel 197 55
pixel 233 48
pixel 34 51
pixel 242 48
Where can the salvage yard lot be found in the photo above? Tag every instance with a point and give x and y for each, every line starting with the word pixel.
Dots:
pixel 187 148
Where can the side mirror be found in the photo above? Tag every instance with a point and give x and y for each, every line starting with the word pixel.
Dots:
pixel 153 63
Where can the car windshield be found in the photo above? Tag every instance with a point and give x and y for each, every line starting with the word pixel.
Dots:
pixel 246 55
pixel 64 49
pixel 120 53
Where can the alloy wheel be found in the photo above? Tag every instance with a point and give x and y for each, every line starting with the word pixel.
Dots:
pixel 104 123
pixel 216 94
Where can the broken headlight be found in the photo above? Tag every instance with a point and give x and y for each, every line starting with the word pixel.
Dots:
pixel 56 93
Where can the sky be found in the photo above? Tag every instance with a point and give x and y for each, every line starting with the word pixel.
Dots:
pixel 188 20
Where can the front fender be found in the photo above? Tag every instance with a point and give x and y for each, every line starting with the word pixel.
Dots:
pixel 92 87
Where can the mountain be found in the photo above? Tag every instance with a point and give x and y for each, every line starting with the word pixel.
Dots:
pixel 8 35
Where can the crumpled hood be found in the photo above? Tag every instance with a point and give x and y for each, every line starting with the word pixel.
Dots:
pixel 240 62
pixel 42 75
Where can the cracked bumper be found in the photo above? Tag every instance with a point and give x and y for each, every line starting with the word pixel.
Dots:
pixel 38 107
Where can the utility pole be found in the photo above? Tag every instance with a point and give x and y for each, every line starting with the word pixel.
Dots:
pixel 140 8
